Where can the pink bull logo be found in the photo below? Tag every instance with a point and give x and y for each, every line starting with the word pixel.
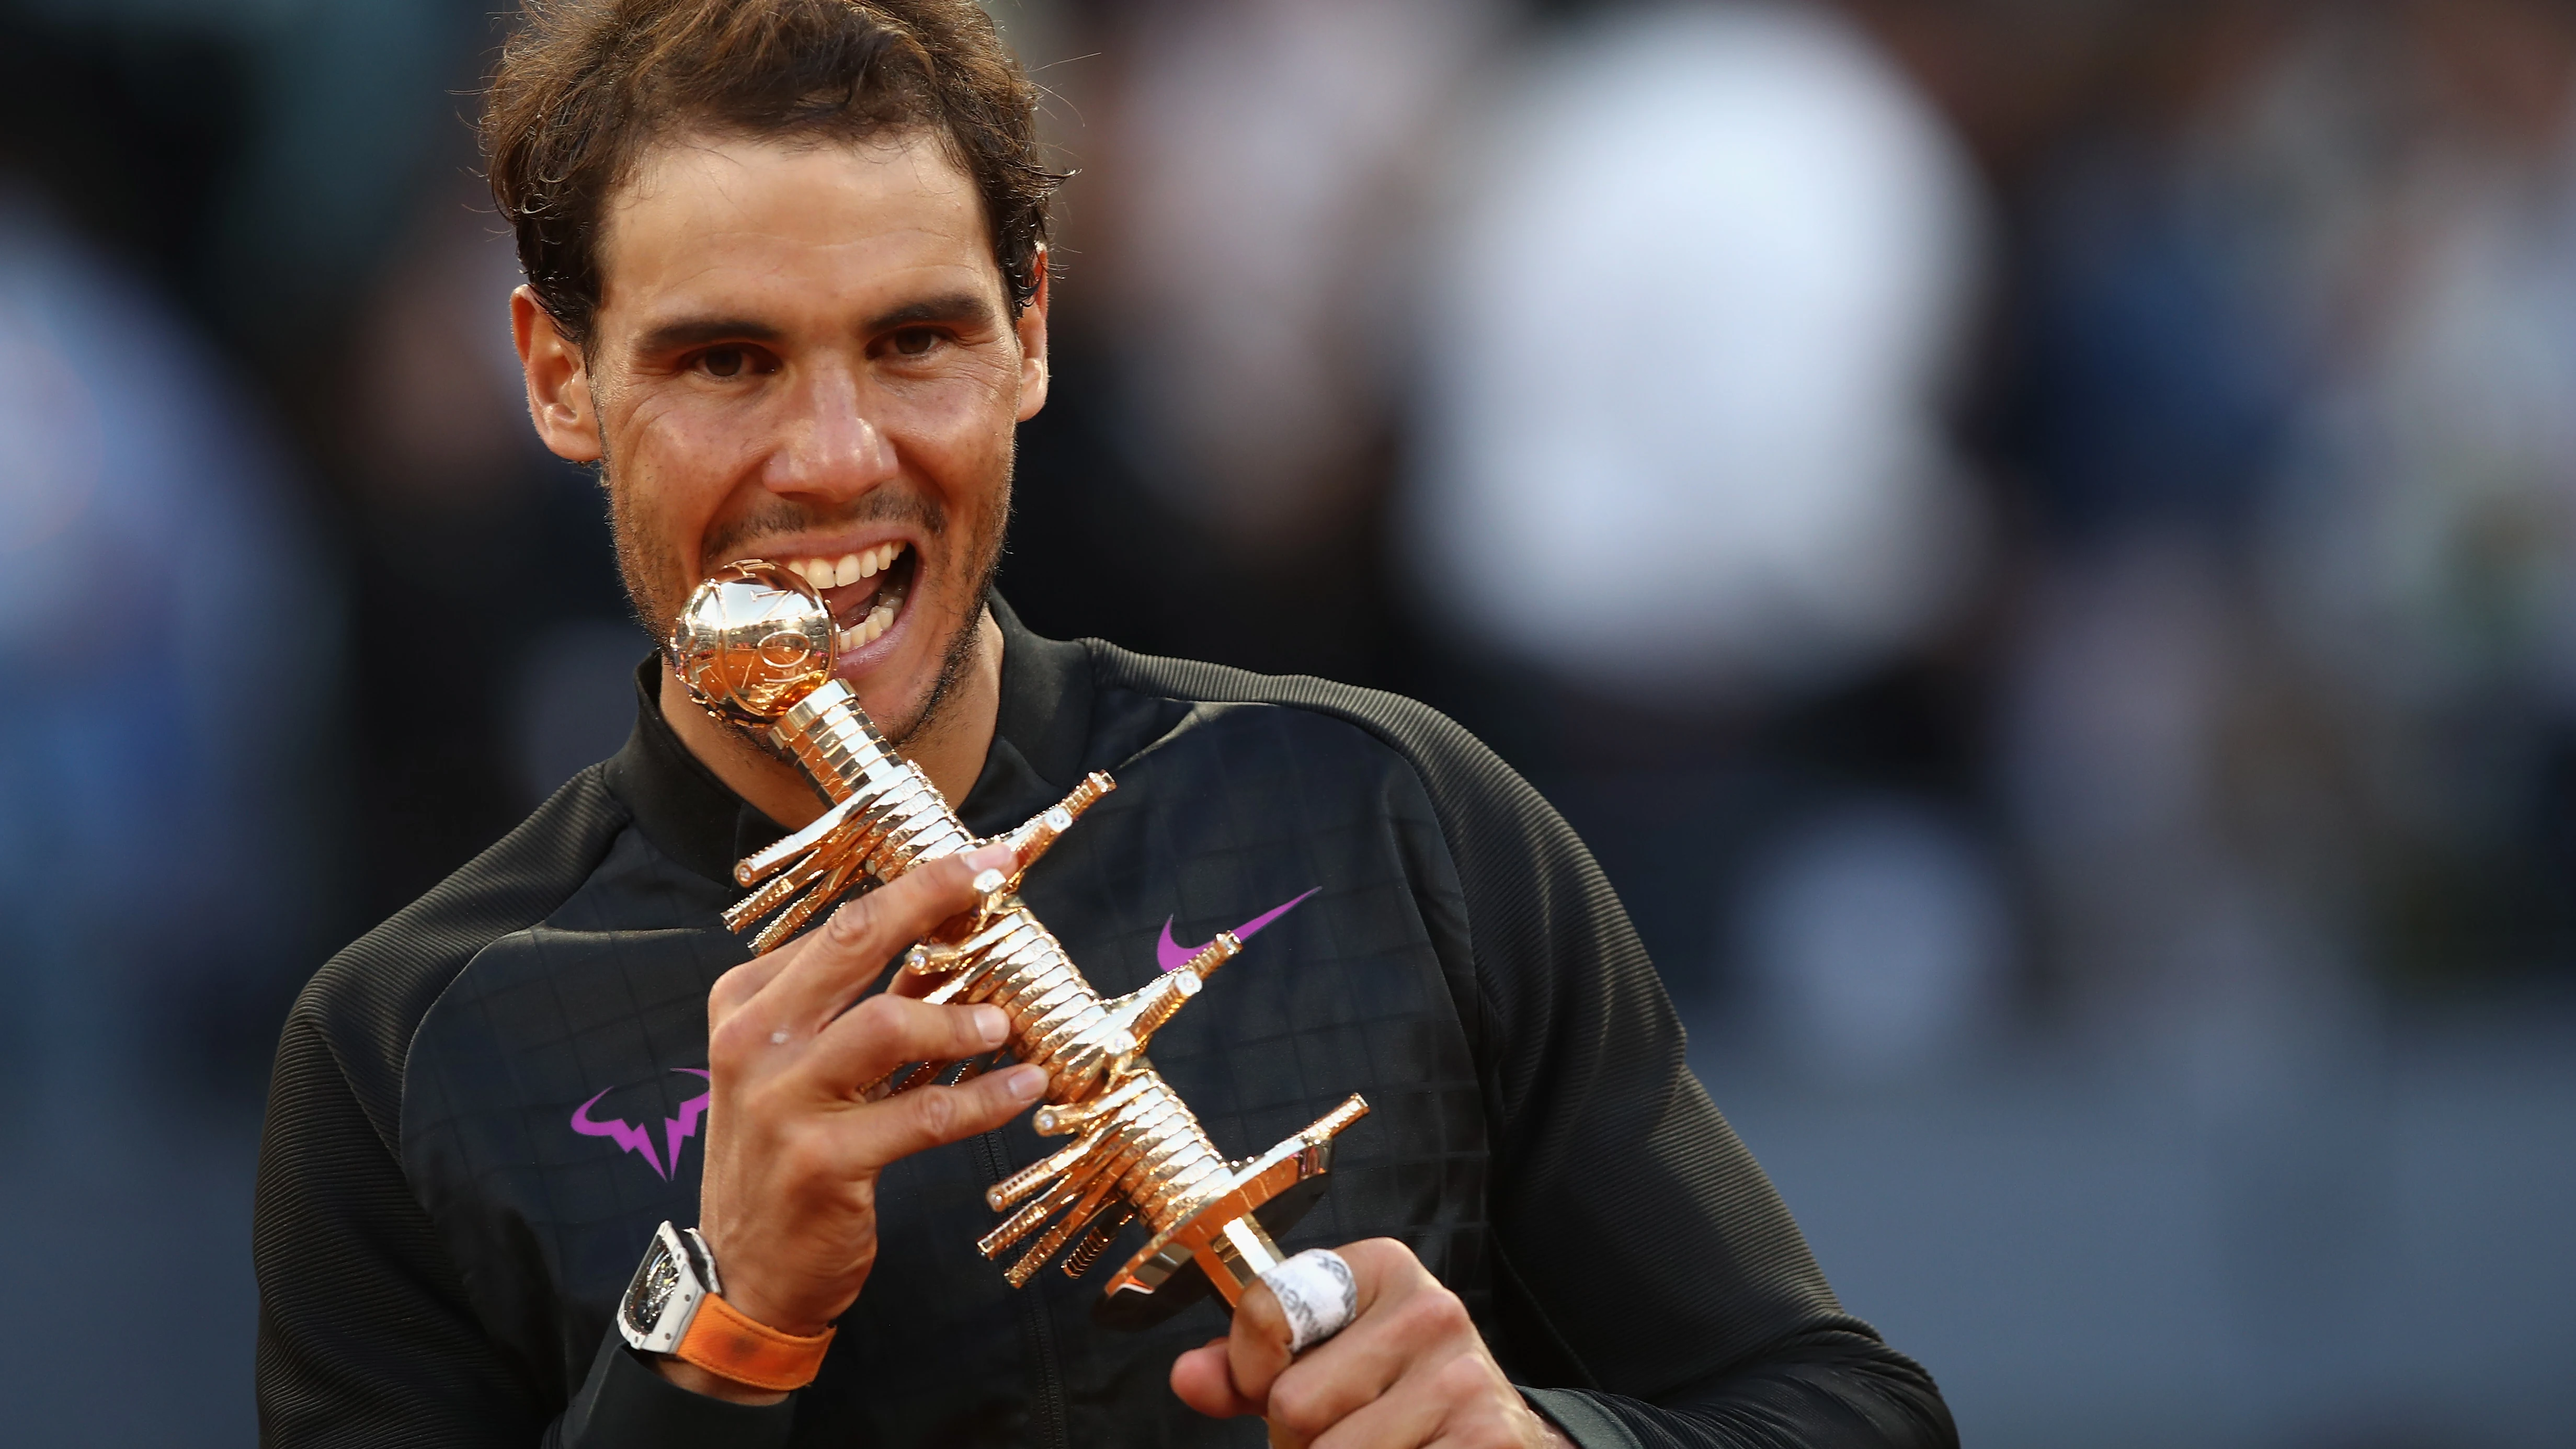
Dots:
pixel 639 1140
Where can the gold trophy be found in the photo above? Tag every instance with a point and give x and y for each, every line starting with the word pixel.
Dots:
pixel 754 646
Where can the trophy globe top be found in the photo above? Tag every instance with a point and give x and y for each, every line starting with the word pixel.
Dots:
pixel 752 641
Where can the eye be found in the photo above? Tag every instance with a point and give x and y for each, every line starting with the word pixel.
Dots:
pixel 914 341
pixel 733 360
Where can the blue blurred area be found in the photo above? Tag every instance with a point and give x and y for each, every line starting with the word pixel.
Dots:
pixel 2037 542
pixel 2368 1257
pixel 170 634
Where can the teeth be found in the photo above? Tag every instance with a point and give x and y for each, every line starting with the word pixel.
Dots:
pixel 850 568
pixel 868 630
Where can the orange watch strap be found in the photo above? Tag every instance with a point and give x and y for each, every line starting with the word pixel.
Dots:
pixel 725 1343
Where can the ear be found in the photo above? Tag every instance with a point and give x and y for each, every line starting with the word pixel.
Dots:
pixel 1031 325
pixel 559 393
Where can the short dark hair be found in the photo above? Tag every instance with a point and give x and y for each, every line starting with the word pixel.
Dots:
pixel 585 87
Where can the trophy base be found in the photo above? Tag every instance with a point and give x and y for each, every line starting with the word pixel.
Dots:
pixel 1130 1308
pixel 1226 1243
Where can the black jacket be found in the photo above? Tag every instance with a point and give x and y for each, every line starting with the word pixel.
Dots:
pixel 482 1108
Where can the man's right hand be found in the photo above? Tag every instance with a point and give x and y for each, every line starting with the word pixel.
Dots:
pixel 788 1205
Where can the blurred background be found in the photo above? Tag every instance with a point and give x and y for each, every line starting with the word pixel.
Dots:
pixel 2035 538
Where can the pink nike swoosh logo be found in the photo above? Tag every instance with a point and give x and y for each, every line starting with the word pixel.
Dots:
pixel 1173 956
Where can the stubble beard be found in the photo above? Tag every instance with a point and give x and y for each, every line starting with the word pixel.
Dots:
pixel 657 585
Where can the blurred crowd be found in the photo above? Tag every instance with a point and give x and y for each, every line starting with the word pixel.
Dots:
pixel 2010 525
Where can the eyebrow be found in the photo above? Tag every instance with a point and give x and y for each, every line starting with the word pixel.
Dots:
pixel 963 308
pixel 697 331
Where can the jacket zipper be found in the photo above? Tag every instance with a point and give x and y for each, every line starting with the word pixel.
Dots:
pixel 1050 1407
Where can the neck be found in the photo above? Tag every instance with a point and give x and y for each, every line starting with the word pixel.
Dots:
pixel 950 749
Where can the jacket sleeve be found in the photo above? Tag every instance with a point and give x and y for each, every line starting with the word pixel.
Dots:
pixel 366 1340
pixel 1649 1277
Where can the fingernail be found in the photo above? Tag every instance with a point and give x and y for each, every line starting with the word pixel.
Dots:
pixel 1025 1082
pixel 991 857
pixel 990 1021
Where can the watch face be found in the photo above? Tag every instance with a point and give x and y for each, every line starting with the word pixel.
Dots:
pixel 651 1291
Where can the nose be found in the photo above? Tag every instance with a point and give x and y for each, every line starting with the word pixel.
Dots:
pixel 829 450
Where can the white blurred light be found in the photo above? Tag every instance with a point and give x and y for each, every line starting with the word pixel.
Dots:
pixel 1690 338
pixel 1267 173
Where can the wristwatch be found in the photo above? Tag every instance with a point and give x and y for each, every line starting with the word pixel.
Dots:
pixel 676 1306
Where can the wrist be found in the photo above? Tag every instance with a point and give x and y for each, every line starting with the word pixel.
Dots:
pixel 675 1309
pixel 748 1288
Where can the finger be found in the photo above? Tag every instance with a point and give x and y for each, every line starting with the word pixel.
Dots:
pixel 886 1132
pixel 1379 1265
pixel 785 989
pixel 1200 1380
pixel 855 944
pixel 1408 1415
pixel 912 984
pixel 738 986
pixel 1330 1382
pixel 1407 1318
pixel 883 1032
pixel 1258 1349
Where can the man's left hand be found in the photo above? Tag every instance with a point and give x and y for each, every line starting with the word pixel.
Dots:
pixel 1410 1370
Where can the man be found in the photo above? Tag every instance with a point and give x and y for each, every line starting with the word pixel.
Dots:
pixel 788 288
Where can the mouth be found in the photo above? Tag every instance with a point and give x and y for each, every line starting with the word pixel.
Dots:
pixel 864 590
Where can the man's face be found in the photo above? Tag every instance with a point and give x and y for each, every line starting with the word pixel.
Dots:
pixel 805 353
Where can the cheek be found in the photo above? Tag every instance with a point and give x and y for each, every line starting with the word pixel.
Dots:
pixel 656 571
pixel 973 477
pixel 959 431
pixel 681 441
pixel 683 461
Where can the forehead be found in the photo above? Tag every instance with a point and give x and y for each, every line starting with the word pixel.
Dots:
pixel 773 226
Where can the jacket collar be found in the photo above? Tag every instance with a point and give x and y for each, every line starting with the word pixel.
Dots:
pixel 1038 746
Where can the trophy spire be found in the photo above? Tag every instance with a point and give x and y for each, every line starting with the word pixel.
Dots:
pixel 754 648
